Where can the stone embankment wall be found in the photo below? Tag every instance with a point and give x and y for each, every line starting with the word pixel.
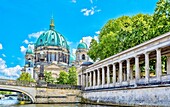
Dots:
pixel 49 95
pixel 134 96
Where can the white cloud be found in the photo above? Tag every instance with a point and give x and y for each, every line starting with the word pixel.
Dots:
pixel 8 72
pixel 88 39
pixel 69 43
pixel 23 49
pixel 74 52
pixel 73 1
pixel 35 35
pixel 2 64
pixel 3 55
pixel 26 41
pixel 90 11
pixel 31 46
pixel 1 46
pixel 97 32
pixel 96 38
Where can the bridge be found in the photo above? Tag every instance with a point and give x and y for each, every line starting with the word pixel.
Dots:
pixel 53 93
pixel 130 70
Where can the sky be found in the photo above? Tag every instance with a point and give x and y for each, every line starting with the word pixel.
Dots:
pixel 21 23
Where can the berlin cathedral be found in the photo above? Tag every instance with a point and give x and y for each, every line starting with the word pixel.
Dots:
pixel 56 54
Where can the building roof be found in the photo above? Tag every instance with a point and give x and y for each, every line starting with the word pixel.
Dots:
pixel 82 45
pixel 52 38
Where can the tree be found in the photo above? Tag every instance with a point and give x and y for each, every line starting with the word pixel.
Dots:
pixel 25 77
pixel 72 76
pixel 125 32
pixel 48 77
pixel 63 78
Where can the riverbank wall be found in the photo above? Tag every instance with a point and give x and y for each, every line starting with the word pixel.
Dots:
pixel 153 96
pixel 57 96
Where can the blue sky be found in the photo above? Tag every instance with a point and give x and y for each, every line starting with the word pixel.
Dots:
pixel 21 22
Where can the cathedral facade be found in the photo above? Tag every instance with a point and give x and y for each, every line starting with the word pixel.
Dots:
pixel 56 54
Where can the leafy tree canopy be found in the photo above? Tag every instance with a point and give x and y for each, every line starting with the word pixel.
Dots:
pixel 72 76
pixel 125 32
pixel 63 78
pixel 48 77
pixel 25 77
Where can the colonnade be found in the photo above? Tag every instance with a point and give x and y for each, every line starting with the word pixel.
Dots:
pixel 123 71
pixel 54 56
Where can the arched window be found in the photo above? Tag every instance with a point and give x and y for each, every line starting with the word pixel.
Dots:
pixel 83 57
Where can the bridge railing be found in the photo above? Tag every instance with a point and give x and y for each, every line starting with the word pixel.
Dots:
pixel 34 84
pixel 17 83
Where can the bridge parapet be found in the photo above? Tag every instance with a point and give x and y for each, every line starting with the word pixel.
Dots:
pixel 17 83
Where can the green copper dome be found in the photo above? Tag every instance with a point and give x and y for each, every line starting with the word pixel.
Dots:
pixel 82 45
pixel 29 51
pixel 51 38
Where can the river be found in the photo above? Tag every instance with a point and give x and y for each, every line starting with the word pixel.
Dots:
pixel 13 102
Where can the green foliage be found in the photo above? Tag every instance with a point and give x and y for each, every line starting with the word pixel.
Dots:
pixel 72 76
pixel 63 78
pixel 48 77
pixel 5 92
pixel 125 32
pixel 68 77
pixel 25 77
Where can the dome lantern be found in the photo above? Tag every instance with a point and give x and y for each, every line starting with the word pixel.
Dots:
pixel 52 26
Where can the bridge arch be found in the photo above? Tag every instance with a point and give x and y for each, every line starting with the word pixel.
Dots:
pixel 29 92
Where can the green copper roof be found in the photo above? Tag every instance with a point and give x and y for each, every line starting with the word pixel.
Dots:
pixel 29 51
pixel 51 38
pixel 82 45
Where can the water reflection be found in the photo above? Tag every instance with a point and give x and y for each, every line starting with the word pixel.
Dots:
pixel 60 105
pixel 6 101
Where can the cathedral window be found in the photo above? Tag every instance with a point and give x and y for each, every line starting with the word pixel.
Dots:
pixel 83 57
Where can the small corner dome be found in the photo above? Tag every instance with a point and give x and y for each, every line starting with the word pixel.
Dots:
pixel 29 51
pixel 82 45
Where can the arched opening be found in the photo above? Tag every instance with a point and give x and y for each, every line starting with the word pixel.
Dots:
pixel 28 95
pixel 83 57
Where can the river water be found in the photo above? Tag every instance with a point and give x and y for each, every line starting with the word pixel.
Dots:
pixel 13 102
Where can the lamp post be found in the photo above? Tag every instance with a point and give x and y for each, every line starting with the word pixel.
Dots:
pixel 41 80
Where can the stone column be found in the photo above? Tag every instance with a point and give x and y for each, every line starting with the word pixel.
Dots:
pixel 79 80
pixel 137 72
pixel 158 64
pixel 147 66
pixel 120 72
pixel 98 77
pixel 128 69
pixel 103 76
pixel 82 79
pixel 168 64
pixel 108 75
pixel 131 72
pixel 114 74
pixel 90 80
pixel 94 78
pixel 48 57
pixel 87 81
